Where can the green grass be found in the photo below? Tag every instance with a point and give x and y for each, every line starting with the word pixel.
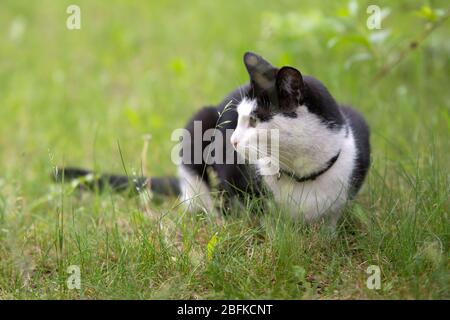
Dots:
pixel 70 97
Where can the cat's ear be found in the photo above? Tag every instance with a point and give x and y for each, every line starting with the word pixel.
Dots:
pixel 290 88
pixel 262 73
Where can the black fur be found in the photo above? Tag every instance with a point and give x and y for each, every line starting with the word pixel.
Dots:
pixel 119 183
pixel 320 102
pixel 288 89
pixel 277 91
pixel 315 97
pixel 361 135
pixel 266 86
pixel 235 180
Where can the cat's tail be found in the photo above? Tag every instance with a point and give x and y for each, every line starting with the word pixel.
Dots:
pixel 168 186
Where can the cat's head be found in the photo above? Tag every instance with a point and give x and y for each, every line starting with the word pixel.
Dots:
pixel 309 123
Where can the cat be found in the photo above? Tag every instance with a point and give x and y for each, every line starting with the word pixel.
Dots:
pixel 322 150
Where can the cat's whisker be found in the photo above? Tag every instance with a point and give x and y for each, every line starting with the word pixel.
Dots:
pixel 280 161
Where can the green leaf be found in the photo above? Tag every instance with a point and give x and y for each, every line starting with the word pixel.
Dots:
pixel 358 57
pixel 427 13
pixel 132 117
pixel 349 39
pixel 212 245
pixel 178 66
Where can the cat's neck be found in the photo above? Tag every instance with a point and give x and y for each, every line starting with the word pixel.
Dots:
pixel 310 176
pixel 305 156
pixel 338 163
pixel 327 192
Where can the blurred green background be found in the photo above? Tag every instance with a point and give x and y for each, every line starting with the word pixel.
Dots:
pixel 137 67
pixel 144 67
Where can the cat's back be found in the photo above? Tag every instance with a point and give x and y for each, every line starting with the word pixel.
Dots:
pixel 361 134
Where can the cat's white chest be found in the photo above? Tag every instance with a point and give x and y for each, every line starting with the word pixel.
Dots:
pixel 326 195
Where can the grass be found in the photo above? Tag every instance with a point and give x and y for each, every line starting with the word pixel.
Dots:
pixel 71 97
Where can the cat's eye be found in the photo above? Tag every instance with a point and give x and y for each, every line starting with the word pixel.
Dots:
pixel 252 122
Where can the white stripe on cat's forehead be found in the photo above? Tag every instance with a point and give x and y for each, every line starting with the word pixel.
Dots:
pixel 246 106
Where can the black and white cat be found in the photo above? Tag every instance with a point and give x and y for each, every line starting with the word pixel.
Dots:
pixel 323 152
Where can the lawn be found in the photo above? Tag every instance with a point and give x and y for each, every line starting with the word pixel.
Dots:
pixel 74 97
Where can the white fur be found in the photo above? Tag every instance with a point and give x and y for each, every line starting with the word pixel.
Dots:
pixel 195 194
pixel 243 131
pixel 306 146
pixel 325 195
